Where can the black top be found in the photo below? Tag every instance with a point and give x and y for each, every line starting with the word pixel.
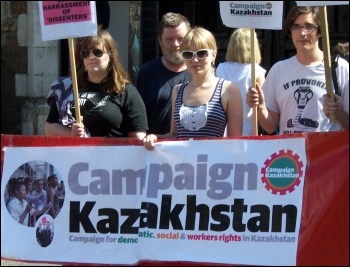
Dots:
pixel 155 84
pixel 108 115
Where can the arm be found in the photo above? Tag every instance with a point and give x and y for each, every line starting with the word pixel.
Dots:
pixel 50 198
pixel 53 127
pixel 139 135
pixel 150 139
pixel 58 129
pixel 232 101
pixel 25 213
pixel 267 119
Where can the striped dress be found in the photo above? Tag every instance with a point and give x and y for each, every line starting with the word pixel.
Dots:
pixel 207 120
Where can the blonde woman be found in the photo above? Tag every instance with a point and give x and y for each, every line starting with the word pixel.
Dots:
pixel 237 69
pixel 207 104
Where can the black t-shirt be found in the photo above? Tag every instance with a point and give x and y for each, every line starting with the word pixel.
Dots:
pixel 155 84
pixel 108 115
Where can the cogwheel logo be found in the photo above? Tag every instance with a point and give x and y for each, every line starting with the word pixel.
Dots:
pixel 282 172
pixel 268 5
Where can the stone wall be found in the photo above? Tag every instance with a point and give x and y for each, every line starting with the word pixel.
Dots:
pixel 28 67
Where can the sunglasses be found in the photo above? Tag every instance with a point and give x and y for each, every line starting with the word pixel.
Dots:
pixel 85 53
pixel 200 54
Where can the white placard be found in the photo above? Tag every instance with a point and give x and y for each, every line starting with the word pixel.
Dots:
pixel 321 3
pixel 252 14
pixel 67 19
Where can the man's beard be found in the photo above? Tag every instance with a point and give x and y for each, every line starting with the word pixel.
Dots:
pixel 174 57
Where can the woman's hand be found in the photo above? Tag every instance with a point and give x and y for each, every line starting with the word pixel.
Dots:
pixel 149 140
pixel 78 129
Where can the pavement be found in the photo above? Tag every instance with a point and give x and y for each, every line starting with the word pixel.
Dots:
pixel 18 263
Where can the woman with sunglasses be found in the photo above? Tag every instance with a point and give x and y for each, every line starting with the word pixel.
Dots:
pixel 207 104
pixel 294 95
pixel 110 105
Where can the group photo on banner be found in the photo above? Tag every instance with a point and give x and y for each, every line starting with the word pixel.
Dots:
pixel 205 193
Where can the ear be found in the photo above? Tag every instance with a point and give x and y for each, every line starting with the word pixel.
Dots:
pixel 214 53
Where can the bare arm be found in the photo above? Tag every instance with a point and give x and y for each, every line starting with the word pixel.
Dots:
pixel 139 135
pixel 232 100
pixel 57 129
pixel 25 213
pixel 50 198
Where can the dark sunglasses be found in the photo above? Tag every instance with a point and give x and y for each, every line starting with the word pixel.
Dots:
pixel 84 53
pixel 200 54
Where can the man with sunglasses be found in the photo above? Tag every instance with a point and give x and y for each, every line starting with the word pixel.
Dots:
pixel 294 95
pixel 158 77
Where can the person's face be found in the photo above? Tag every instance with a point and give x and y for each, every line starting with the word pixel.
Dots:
pixel 39 185
pixel 96 60
pixel 55 180
pixel 303 39
pixel 29 187
pixel 202 63
pixel 170 42
pixel 21 193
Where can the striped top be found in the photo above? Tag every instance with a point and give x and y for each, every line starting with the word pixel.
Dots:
pixel 207 120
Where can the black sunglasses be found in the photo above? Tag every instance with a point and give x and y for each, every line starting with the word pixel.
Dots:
pixel 200 54
pixel 84 53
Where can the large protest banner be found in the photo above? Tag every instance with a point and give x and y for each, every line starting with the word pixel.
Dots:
pixel 283 199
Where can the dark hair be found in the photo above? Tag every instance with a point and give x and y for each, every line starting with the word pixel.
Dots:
pixel 294 12
pixel 173 20
pixel 17 186
pixel 51 177
pixel 117 77
pixel 38 180
pixel 27 180
pixel 341 49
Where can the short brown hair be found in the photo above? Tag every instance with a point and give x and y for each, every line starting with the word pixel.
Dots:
pixel 294 12
pixel 173 20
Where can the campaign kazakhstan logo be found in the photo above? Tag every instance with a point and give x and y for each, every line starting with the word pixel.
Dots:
pixel 282 172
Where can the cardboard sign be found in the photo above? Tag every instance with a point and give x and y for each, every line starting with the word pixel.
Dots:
pixel 252 14
pixel 67 19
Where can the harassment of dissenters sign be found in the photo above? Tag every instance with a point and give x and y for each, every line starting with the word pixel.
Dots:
pixel 67 19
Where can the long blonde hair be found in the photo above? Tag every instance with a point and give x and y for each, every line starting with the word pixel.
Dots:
pixel 239 47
